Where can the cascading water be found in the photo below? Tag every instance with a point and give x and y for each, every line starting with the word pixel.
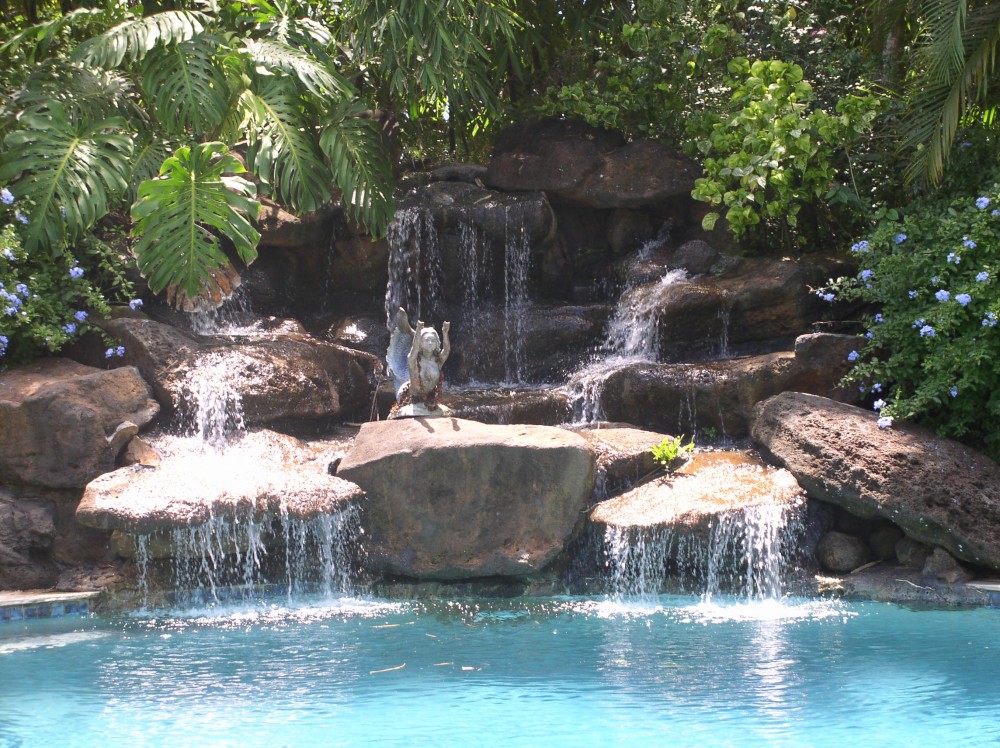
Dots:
pixel 632 337
pixel 517 260
pixel 414 265
pixel 249 548
pixel 729 527
pixel 225 558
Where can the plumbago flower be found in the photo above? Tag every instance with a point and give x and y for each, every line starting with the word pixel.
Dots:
pixel 934 331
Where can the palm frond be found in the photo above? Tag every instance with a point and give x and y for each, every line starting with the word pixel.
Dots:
pixel 360 165
pixel 72 172
pixel 941 38
pixel 187 85
pixel 175 216
pixel 133 39
pixel 318 78
pixel 283 146
pixel 940 103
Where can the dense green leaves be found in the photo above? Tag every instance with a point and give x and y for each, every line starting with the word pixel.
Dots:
pixel 70 172
pixel 177 214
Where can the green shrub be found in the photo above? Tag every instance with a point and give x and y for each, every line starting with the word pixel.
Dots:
pixel 934 344
pixel 776 157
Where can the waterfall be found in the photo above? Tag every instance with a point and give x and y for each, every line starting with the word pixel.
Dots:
pixel 632 336
pixel 745 553
pixel 250 555
pixel 517 259
pixel 213 408
pixel 414 265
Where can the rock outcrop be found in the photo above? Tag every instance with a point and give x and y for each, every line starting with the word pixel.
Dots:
pixel 580 165
pixel 709 485
pixel 260 473
pixel 455 499
pixel 938 491
pixel 58 420
pixel 288 377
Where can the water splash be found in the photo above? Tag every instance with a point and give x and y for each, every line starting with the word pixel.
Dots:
pixel 632 337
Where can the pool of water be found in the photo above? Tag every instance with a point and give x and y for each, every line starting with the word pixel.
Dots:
pixel 544 672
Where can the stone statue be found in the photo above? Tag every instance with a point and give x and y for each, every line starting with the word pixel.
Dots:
pixel 417 374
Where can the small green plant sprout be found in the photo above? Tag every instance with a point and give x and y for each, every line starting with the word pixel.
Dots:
pixel 671 449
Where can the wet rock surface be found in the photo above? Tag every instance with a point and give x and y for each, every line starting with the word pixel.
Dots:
pixel 937 491
pixel 693 497
pixel 58 419
pixel 287 377
pixel 454 499
pixel 262 472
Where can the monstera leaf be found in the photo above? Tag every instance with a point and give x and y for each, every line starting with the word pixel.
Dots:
pixel 187 85
pixel 283 149
pixel 361 166
pixel 132 39
pixel 71 172
pixel 176 214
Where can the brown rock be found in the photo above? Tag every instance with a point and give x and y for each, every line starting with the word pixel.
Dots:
pixel 910 552
pixel 139 452
pixel 27 530
pixel 624 452
pixel 56 417
pixel 938 491
pixel 278 379
pixel 454 499
pixel 709 485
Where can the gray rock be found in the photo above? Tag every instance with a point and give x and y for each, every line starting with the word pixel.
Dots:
pixel 883 542
pixel 938 491
pixel 839 552
pixel 455 499
pixel 58 419
pixel 910 552
pixel 941 568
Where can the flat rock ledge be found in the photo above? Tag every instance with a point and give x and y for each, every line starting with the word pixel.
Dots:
pixel 262 473
pixel 936 490
pixel 693 497
pixel 451 499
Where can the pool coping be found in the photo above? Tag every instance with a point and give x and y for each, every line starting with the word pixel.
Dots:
pixel 32 604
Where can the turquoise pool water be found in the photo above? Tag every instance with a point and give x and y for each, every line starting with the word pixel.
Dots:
pixel 546 672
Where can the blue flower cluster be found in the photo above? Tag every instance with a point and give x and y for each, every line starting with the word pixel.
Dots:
pixel 112 352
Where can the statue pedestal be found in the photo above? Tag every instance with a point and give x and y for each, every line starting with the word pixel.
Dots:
pixel 419 410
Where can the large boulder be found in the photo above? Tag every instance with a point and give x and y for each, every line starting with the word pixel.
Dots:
pixel 288 377
pixel 260 473
pixel 58 420
pixel 938 491
pixel 718 395
pixel 576 164
pixel 456 499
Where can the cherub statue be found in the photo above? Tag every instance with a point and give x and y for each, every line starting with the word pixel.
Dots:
pixel 417 377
